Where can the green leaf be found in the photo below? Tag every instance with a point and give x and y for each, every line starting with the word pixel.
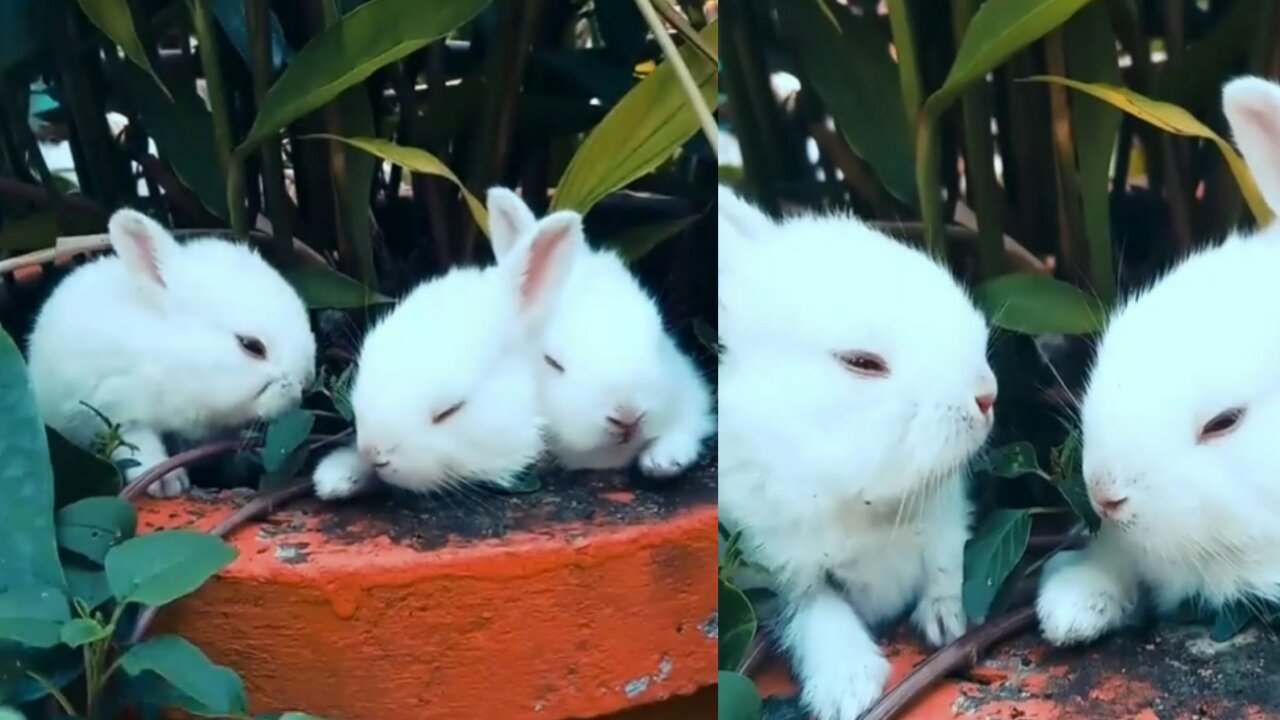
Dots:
pixel 1013 460
pixel 8 713
pixel 1231 619
pixel 162 566
pixel 82 631
pixel 115 20
pixel 999 29
pixel 284 435
pixel 182 128
pixel 88 585
pixel 214 688
pixel 373 35
pixel 737 698
pixel 418 161
pixel 30 549
pixel 1175 120
pixel 324 289
pixel 1068 479
pixel 645 128
pixel 737 622
pixel 33 232
pixel 59 664
pixel 1090 46
pixel 851 69
pixel 91 527
pixel 78 473
pixel 635 243
pixel 990 555
pixel 33 615
pixel 1036 304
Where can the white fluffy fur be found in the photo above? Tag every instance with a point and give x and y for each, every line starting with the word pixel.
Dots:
pixel 608 336
pixel 835 476
pixel 148 337
pixel 468 336
pixel 1202 521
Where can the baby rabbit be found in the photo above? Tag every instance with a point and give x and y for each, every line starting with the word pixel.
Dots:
pixel 446 390
pixel 614 386
pixel 1179 422
pixel 854 389
pixel 165 338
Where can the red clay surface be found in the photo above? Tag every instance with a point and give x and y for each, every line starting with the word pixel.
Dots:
pixel 1166 673
pixel 591 597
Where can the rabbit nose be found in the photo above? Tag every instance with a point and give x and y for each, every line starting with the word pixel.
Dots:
pixel 986 403
pixel 1108 506
pixel 372 454
pixel 626 421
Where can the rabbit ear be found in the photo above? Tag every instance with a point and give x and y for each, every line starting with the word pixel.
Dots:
pixel 143 245
pixel 540 265
pixel 1252 107
pixel 509 218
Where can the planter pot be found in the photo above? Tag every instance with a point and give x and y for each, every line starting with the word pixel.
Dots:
pixel 589 598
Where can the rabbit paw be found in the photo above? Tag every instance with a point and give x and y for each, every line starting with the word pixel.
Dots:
pixel 669 456
pixel 339 475
pixel 1078 604
pixel 172 485
pixel 940 619
pixel 844 690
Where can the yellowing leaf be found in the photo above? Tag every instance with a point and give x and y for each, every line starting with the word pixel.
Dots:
pixel 1175 120
pixel 647 125
pixel 415 160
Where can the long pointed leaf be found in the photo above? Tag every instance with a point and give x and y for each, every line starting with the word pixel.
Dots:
pixel 650 123
pixel 115 20
pixel 1173 119
pixel 346 53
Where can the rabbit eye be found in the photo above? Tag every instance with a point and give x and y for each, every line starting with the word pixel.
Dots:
pixel 1221 424
pixel 552 362
pixel 252 346
pixel 866 364
pixel 447 413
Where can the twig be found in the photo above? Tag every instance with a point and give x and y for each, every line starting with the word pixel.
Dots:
pixel 135 489
pixel 686 30
pixel 957 655
pixel 260 505
pixel 709 127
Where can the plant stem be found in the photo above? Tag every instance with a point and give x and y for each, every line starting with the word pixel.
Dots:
pixel 1070 211
pixel 922 125
pixel 983 190
pixel 258 14
pixel 54 692
pixel 230 163
pixel 134 490
pixel 690 85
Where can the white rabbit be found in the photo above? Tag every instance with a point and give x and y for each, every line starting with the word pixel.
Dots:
pixel 614 385
pixel 1179 418
pixel 854 389
pixel 446 389
pixel 165 338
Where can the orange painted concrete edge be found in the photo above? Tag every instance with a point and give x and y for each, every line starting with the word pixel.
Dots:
pixel 581 621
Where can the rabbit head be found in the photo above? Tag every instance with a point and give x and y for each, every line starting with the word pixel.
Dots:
pixel 1183 402
pixel 860 361
pixel 446 390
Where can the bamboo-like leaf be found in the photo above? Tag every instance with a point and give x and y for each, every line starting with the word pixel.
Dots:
pixel 650 123
pixel 1090 46
pixel 850 68
pixel 999 29
pixel 1173 119
pixel 115 20
pixel 415 160
pixel 349 51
